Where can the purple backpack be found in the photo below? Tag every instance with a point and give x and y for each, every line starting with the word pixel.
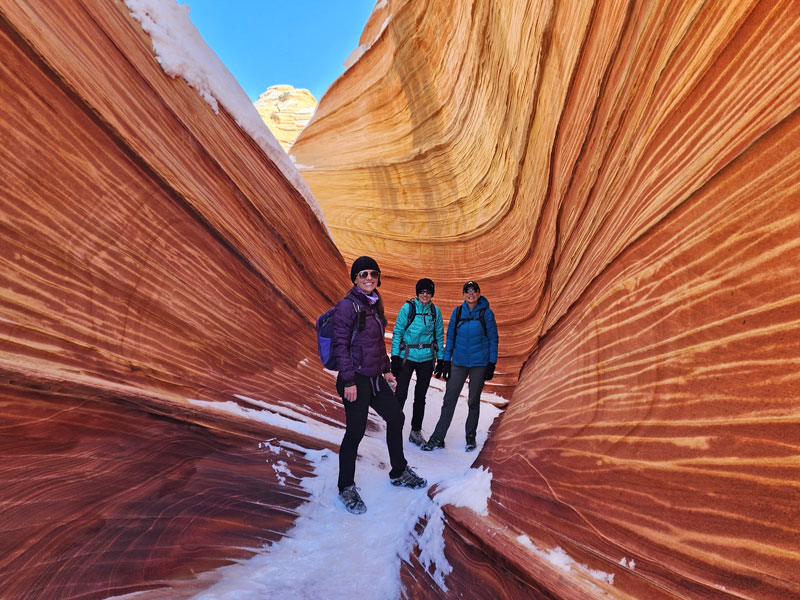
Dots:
pixel 325 335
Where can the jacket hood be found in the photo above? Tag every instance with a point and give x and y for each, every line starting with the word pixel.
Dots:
pixel 482 303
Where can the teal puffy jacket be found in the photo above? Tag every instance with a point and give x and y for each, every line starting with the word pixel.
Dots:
pixel 426 328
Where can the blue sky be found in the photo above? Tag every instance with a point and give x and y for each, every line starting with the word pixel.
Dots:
pixel 270 42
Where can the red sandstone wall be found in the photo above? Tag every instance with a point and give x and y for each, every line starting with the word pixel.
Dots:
pixel 151 254
pixel 621 178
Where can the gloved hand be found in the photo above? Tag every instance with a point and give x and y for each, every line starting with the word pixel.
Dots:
pixel 489 372
pixel 397 365
pixel 442 370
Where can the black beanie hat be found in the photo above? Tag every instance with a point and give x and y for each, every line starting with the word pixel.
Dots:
pixel 363 263
pixel 425 284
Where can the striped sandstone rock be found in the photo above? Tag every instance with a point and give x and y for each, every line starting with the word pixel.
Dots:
pixel 621 178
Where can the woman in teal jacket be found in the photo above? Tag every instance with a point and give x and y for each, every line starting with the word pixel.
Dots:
pixel 416 343
pixel 471 351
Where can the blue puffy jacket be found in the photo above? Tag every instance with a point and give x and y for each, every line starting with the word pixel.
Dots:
pixel 367 353
pixel 473 347
pixel 426 328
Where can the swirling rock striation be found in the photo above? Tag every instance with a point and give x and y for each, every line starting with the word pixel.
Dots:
pixel 153 273
pixel 621 178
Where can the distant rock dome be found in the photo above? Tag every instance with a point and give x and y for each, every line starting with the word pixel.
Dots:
pixel 286 111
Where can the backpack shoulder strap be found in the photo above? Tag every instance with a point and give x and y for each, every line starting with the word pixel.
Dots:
pixel 481 316
pixel 455 325
pixel 412 312
pixel 434 343
pixel 360 321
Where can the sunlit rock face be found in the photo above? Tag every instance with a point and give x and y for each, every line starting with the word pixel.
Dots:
pixel 158 273
pixel 286 110
pixel 622 180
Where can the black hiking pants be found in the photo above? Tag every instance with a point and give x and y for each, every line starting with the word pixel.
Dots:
pixel 424 372
pixel 356 413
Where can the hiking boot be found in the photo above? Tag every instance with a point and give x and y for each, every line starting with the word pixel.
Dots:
pixel 415 437
pixel 352 501
pixel 409 479
pixel 432 444
pixel 471 445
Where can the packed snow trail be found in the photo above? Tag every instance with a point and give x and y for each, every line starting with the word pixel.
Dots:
pixel 335 555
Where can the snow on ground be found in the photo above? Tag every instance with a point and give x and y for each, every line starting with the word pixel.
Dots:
pixel 335 555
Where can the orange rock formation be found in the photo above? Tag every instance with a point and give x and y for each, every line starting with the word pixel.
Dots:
pixel 620 177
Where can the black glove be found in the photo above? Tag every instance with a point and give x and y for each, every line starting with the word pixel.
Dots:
pixel 397 365
pixel 489 373
pixel 442 370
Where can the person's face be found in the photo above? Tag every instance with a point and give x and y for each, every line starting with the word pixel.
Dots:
pixel 367 280
pixel 424 296
pixel 471 295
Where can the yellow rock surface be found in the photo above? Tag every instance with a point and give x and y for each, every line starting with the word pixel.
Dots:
pixel 286 110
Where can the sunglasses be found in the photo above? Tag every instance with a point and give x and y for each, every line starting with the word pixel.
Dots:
pixel 373 274
pixel 470 290
pixel 428 292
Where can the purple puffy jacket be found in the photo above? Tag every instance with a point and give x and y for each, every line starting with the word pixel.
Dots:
pixel 369 349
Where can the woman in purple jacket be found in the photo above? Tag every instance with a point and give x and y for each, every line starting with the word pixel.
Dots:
pixel 363 381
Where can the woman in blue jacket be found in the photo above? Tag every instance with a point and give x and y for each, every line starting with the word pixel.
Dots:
pixel 471 351
pixel 417 341
pixel 363 381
